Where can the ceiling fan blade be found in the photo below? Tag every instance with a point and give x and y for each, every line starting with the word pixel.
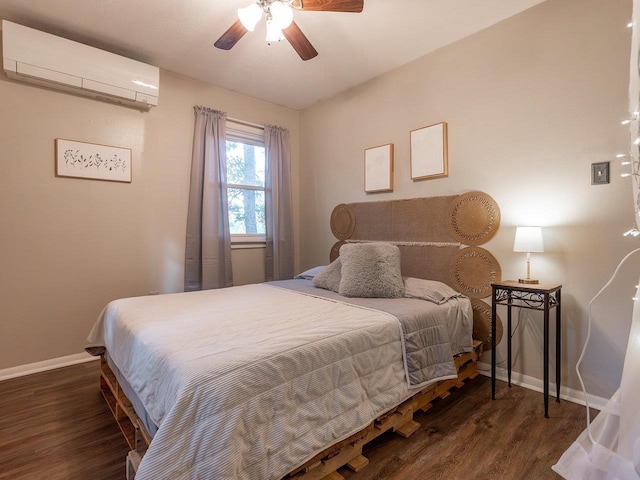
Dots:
pixel 231 36
pixel 299 41
pixel 354 6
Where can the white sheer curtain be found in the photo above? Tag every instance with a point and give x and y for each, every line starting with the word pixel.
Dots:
pixel 634 110
pixel 279 216
pixel 609 449
pixel 208 246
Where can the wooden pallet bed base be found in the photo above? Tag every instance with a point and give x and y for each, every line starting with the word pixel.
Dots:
pixel 130 424
pixel 323 466
pixel 348 453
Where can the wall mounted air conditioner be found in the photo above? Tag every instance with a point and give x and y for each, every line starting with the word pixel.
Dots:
pixel 54 62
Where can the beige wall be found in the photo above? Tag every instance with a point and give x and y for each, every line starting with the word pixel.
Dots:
pixel 530 104
pixel 69 246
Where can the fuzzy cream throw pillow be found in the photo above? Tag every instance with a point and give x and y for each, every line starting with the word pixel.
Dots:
pixel 329 278
pixel 371 270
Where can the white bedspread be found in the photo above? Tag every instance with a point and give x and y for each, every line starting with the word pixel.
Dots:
pixel 251 390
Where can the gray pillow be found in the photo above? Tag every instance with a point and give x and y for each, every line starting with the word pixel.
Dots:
pixel 329 278
pixel 430 290
pixel 371 270
pixel 309 274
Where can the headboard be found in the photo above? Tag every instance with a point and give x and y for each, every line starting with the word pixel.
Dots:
pixel 438 238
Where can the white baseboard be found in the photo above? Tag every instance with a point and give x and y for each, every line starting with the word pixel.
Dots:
pixel 22 370
pixel 532 383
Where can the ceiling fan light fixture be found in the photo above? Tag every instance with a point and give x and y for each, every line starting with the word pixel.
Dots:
pixel 250 16
pixel 281 14
pixel 280 23
pixel 274 34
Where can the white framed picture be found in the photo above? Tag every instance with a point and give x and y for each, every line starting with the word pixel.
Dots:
pixel 429 152
pixel 378 168
pixel 92 161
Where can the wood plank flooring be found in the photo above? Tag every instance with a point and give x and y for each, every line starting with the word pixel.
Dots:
pixel 469 436
pixel 56 426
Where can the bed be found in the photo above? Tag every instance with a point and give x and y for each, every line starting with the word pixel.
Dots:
pixel 287 378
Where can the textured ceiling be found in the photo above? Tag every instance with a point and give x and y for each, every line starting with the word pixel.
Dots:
pixel 179 36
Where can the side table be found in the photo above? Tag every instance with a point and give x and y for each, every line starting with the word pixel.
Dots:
pixel 541 297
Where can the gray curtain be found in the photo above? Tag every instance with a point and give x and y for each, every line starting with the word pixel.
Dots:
pixel 208 248
pixel 279 217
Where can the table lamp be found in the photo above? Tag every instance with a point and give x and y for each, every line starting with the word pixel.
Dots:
pixel 528 239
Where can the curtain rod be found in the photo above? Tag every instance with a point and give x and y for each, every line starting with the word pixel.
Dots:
pixel 245 123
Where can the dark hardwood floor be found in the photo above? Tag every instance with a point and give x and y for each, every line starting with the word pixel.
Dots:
pixel 55 426
pixel 469 436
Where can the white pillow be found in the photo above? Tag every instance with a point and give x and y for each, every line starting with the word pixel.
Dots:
pixel 329 277
pixel 309 274
pixel 430 290
pixel 371 270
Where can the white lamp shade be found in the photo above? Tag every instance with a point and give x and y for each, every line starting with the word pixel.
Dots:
pixel 250 16
pixel 281 14
pixel 528 239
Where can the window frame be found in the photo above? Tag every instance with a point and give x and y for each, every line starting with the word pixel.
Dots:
pixel 240 132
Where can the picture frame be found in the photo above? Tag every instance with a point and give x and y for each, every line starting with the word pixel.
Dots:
pixel 92 161
pixel 429 153
pixel 378 168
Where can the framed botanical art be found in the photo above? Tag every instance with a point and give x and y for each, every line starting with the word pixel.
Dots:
pixel 429 152
pixel 378 169
pixel 92 161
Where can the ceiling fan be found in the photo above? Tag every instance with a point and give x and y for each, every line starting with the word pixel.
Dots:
pixel 280 24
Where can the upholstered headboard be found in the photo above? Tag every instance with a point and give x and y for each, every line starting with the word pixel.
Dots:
pixel 439 239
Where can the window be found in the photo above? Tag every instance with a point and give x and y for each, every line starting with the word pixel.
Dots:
pixel 245 182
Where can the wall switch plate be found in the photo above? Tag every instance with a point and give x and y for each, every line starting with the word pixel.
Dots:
pixel 600 173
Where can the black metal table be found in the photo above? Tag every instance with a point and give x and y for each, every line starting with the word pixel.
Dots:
pixel 542 297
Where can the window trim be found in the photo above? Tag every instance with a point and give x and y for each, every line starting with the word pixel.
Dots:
pixel 249 239
pixel 255 188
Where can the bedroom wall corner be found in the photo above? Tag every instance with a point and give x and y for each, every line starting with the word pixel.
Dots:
pixel 530 103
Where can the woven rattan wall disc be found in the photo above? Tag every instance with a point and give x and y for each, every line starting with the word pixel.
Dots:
pixel 482 324
pixel 473 270
pixel 335 250
pixel 343 221
pixel 474 218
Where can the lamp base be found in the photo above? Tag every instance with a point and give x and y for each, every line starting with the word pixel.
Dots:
pixel 528 281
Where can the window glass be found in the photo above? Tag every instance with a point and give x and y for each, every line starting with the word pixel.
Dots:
pixel 245 184
pixel 245 164
pixel 246 211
